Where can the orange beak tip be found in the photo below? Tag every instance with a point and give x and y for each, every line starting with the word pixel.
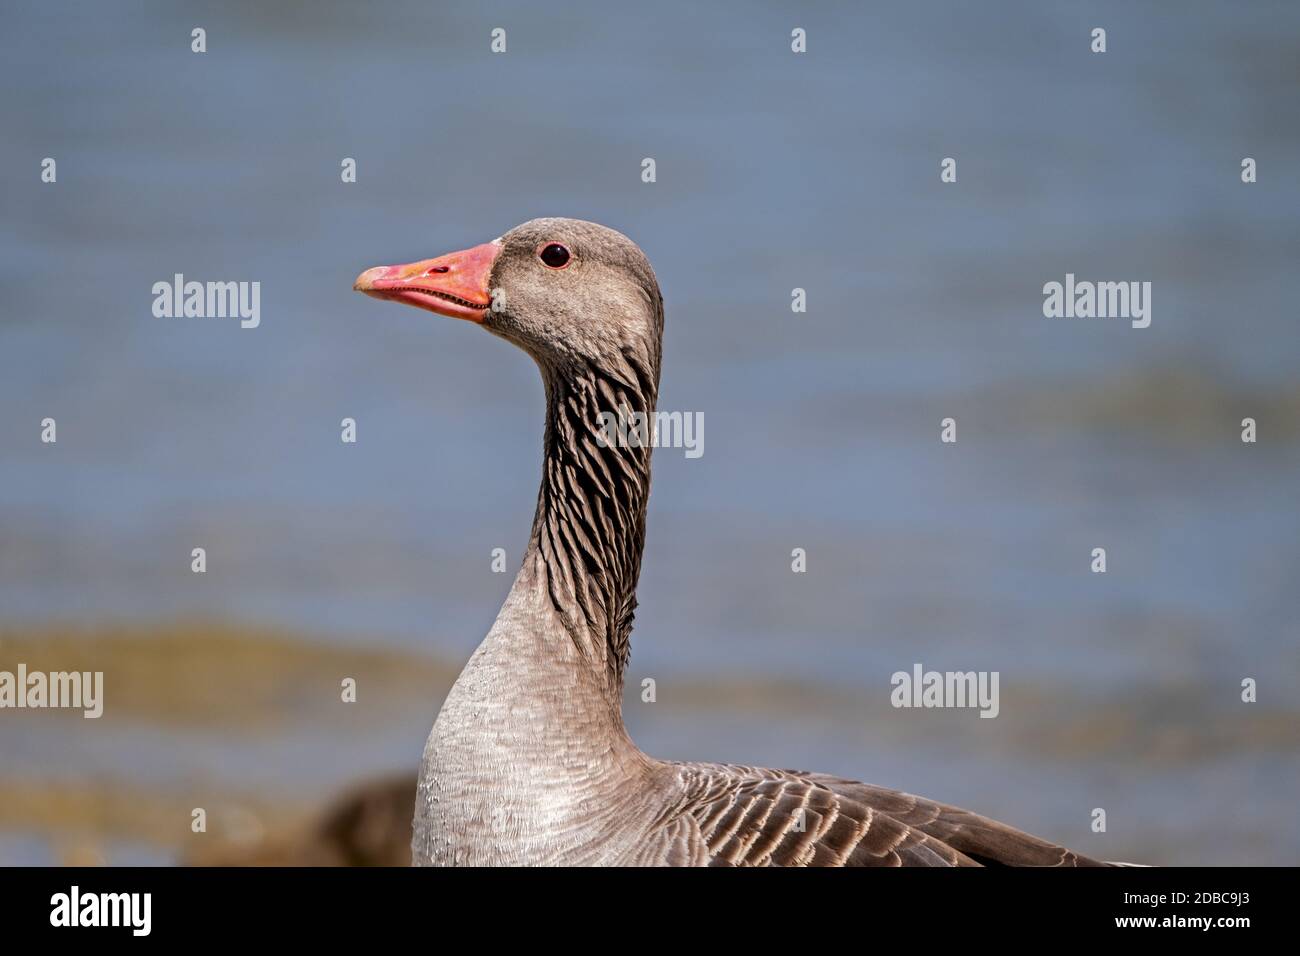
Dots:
pixel 366 281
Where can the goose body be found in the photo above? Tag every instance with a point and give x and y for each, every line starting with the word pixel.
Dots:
pixel 528 762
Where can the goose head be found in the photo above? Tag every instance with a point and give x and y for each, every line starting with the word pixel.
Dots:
pixel 572 294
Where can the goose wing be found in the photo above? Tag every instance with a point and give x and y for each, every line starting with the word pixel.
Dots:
pixel 985 841
pixel 748 816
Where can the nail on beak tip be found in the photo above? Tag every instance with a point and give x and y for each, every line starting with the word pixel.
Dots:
pixel 366 281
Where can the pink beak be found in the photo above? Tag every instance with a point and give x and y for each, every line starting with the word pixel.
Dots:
pixel 455 285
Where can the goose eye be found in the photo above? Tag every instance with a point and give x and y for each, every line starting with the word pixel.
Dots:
pixel 554 255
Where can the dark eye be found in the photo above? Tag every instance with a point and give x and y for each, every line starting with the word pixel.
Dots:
pixel 555 255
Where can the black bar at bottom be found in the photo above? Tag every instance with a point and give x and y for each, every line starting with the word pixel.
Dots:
pixel 435 906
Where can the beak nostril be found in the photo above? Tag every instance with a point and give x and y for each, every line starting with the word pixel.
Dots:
pixel 436 269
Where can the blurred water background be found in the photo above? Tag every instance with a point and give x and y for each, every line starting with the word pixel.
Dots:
pixel 775 171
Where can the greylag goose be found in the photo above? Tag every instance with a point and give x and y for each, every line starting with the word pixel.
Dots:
pixel 528 761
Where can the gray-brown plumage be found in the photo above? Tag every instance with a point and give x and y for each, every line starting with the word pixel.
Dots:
pixel 528 761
